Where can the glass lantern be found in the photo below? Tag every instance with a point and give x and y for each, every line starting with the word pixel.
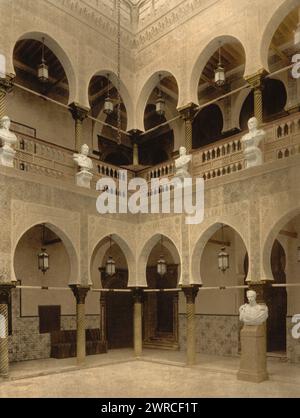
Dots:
pixel 220 77
pixel 297 35
pixel 43 261
pixel 110 268
pixel 108 106
pixel 223 260
pixel 160 105
pixel 43 72
pixel 161 266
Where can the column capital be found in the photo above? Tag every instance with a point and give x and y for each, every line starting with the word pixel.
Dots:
pixel 78 112
pixel 137 294
pixel 188 111
pixel 256 80
pixel 135 135
pixel 6 84
pixel 190 293
pixel 80 293
pixel 5 290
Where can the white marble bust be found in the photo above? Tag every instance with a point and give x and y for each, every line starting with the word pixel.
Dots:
pixel 253 313
pixel 8 140
pixel 182 164
pixel 251 142
pixel 82 159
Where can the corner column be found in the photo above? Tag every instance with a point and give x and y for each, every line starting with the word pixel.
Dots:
pixel 256 81
pixel 6 87
pixel 188 113
pixel 80 294
pixel 5 290
pixel 137 321
pixel 79 113
pixel 135 137
pixel 190 293
pixel 103 335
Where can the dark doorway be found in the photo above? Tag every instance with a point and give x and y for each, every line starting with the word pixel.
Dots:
pixel 276 300
pixel 207 126
pixel 119 312
pixel 161 310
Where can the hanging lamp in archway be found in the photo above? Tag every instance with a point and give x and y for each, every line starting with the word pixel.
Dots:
pixel 43 69
pixel 220 76
pixel 223 256
pixel 110 267
pixel 43 256
pixel 161 263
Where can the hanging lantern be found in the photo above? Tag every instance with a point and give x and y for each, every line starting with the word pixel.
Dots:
pixel 110 268
pixel 108 103
pixel 223 260
pixel 161 263
pixel 220 76
pixel 43 70
pixel 43 260
pixel 160 104
pixel 297 35
pixel 223 256
pixel 161 266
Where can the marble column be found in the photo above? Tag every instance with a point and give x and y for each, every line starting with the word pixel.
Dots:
pixel 190 293
pixel 188 113
pixel 79 114
pixel 137 321
pixel 256 81
pixel 80 294
pixel 5 290
pixel 6 87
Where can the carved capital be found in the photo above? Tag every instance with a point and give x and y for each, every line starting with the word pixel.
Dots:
pixel 190 292
pixel 78 112
pixel 6 84
pixel 80 293
pixel 135 135
pixel 137 294
pixel 256 80
pixel 188 112
pixel 5 290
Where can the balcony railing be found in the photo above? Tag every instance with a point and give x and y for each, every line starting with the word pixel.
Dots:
pixel 216 160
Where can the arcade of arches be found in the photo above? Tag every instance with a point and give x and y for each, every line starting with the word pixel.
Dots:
pixel 73 305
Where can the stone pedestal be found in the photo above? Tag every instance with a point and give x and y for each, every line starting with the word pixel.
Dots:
pixel 7 155
pixel 83 179
pixel 253 363
pixel 253 157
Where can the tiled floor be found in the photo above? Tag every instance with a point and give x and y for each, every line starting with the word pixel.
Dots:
pixel 158 373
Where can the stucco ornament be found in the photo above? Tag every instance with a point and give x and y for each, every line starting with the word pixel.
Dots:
pixel 253 313
pixel 9 140
pixel 252 152
pixel 85 164
pixel 182 164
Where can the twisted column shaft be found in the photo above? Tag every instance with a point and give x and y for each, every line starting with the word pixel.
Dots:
pixel 188 113
pixel 80 295
pixel 4 361
pixel 190 294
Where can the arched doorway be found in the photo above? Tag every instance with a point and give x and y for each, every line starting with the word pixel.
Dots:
pixel 160 325
pixel 116 308
pixel 276 300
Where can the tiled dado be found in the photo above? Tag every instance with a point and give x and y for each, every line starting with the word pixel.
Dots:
pixel 215 334
pixel 26 343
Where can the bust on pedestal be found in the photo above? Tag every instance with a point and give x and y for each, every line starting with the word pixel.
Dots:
pixel 84 176
pixel 253 366
pixel 251 141
pixel 8 139
pixel 182 164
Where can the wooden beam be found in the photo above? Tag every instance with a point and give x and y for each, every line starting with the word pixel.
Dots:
pixel 289 234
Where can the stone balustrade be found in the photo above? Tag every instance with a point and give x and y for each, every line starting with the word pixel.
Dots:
pixel 216 160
